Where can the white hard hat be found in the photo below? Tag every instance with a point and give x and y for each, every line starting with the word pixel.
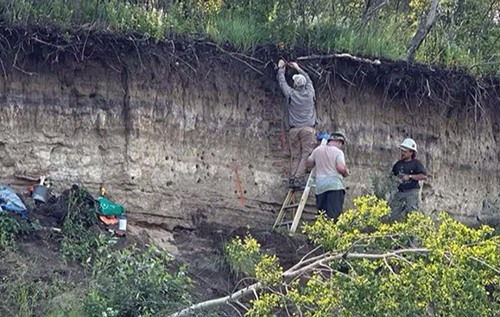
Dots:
pixel 409 144
pixel 299 80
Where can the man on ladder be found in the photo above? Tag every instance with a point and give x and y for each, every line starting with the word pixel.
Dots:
pixel 330 168
pixel 301 119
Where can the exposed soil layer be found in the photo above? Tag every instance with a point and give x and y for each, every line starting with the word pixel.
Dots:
pixel 171 126
pixel 454 87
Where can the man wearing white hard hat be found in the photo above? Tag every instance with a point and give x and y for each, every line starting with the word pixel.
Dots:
pixel 301 119
pixel 409 171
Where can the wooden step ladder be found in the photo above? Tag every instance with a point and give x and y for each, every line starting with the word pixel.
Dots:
pixel 288 205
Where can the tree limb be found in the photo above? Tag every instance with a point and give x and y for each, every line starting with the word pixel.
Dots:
pixel 374 256
pixel 343 55
pixel 218 301
pixel 422 30
pixel 485 264
pixel 295 272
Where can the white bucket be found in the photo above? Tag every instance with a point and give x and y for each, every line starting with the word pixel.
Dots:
pixel 122 223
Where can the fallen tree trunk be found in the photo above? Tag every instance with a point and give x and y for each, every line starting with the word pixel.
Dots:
pixel 301 268
pixel 219 301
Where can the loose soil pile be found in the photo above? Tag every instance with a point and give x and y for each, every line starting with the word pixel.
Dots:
pixel 201 249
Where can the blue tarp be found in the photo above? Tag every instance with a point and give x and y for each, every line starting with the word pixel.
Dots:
pixel 11 202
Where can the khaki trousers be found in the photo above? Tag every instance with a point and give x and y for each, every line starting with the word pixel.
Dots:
pixel 302 143
pixel 403 203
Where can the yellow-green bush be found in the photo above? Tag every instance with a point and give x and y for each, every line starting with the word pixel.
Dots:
pixel 373 268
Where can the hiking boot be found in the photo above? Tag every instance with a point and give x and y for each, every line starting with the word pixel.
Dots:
pixel 299 182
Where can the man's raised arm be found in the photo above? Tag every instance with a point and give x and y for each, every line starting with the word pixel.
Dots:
pixel 285 88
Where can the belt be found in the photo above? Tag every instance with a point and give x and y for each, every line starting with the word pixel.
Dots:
pixel 306 126
pixel 407 189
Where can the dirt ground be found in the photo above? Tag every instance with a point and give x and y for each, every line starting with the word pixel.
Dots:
pixel 201 250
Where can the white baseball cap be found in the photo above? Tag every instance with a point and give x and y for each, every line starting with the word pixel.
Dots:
pixel 299 80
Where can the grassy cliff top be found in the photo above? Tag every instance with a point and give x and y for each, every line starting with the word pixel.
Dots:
pixel 465 34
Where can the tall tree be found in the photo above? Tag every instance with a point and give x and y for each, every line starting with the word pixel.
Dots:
pixel 423 29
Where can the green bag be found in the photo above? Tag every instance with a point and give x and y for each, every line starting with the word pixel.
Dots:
pixel 108 208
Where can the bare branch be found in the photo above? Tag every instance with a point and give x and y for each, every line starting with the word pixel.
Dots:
pixel 485 264
pixel 236 309
pixel 344 55
pixel 138 53
pixel 234 55
pixel 3 68
pixel 389 266
pixel 305 256
pixel 23 71
pixel 241 305
pixel 295 272
pixel 333 257
pixel 223 300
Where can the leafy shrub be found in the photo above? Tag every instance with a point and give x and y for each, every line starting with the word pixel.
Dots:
pixel 132 282
pixel 9 228
pixel 241 256
pixel 373 268
pixel 79 241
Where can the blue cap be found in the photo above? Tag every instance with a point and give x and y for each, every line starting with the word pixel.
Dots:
pixel 322 136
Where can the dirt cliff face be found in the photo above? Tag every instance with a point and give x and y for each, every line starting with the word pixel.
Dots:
pixel 170 136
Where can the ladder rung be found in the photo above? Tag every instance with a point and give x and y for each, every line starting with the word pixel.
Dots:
pixel 296 189
pixel 292 206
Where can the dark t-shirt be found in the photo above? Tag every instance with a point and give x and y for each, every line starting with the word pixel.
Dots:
pixel 413 167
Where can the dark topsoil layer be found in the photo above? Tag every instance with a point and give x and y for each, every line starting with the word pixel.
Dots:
pixel 37 49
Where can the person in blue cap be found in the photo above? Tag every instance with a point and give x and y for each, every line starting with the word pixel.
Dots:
pixel 330 167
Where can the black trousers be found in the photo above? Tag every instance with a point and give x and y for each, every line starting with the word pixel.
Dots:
pixel 331 202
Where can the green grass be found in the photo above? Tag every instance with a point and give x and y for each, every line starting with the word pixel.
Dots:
pixel 378 40
pixel 244 34
pixel 330 25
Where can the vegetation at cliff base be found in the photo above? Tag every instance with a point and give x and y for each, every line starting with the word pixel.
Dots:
pixel 364 266
pixel 359 266
pixel 80 270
